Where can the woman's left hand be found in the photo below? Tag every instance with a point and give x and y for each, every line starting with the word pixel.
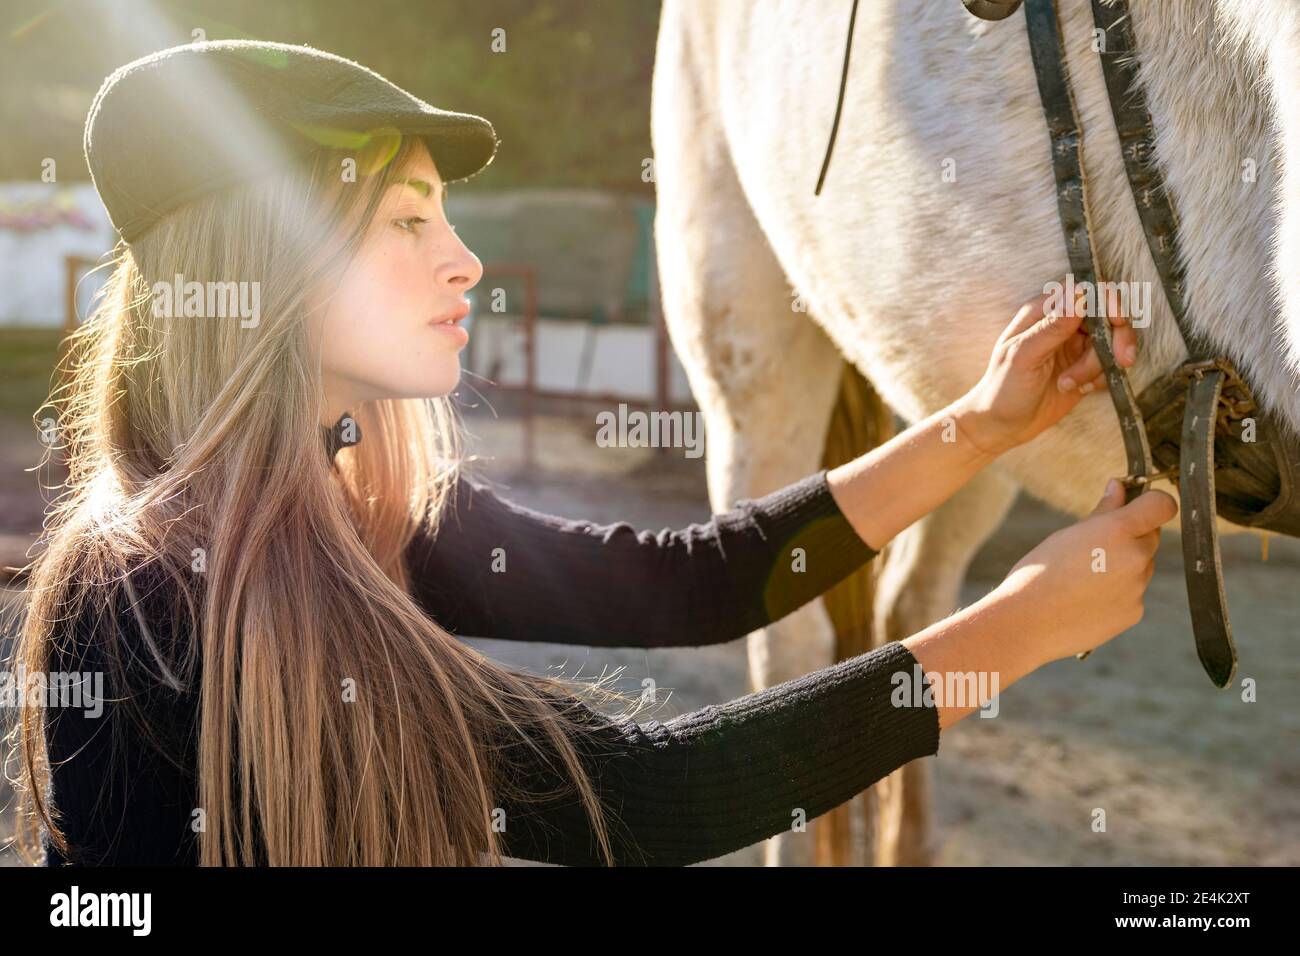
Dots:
pixel 1041 367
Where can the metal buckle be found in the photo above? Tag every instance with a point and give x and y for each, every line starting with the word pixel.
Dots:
pixel 1129 481
pixel 1235 398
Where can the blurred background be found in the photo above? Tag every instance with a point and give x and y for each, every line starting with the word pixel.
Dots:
pixel 562 220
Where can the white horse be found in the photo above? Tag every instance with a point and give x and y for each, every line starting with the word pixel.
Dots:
pixel 910 274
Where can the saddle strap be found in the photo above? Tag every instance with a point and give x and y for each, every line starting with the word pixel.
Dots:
pixel 1137 139
pixel 1202 562
pixel 1063 126
pixel 1202 565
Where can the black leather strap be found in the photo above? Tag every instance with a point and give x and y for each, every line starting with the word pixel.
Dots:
pixel 1202 565
pixel 1072 205
pixel 1137 139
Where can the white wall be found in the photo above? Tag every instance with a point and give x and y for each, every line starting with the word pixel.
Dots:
pixel 622 357
pixel 32 270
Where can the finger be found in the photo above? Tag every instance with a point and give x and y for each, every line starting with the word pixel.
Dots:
pixel 1125 345
pixel 1084 370
pixel 1049 334
pixel 1150 543
pixel 1147 512
pixel 1029 313
pixel 1124 342
pixel 1073 350
pixel 1112 499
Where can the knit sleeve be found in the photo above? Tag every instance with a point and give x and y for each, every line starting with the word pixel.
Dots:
pixel 499 570
pixel 725 777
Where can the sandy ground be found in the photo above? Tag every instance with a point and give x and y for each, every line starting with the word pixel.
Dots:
pixel 1187 774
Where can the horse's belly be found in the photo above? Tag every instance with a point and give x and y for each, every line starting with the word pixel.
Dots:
pixel 938 215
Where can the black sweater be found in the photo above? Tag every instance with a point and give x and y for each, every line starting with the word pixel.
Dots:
pixel 701 785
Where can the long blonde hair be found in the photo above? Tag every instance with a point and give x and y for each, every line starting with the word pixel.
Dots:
pixel 194 447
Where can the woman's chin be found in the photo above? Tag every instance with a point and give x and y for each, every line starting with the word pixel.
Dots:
pixel 436 386
pixel 428 382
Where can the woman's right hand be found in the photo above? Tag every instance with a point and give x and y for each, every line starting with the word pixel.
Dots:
pixel 1085 584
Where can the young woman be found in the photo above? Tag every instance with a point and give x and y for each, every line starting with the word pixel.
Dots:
pixel 274 626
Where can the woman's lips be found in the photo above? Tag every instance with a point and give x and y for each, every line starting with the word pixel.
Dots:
pixel 454 316
pixel 450 324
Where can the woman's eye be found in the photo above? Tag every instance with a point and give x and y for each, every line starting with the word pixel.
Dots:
pixel 410 224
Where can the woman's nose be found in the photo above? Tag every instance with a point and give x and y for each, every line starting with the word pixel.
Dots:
pixel 463 270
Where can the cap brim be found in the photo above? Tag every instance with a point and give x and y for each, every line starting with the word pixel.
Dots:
pixel 460 149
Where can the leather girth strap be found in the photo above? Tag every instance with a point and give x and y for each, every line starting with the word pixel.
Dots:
pixel 1201 556
pixel 1137 140
pixel 1072 206
pixel 1202 564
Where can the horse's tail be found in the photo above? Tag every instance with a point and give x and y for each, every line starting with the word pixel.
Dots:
pixel 860 422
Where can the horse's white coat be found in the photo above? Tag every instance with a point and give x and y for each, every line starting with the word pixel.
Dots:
pixel 912 277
